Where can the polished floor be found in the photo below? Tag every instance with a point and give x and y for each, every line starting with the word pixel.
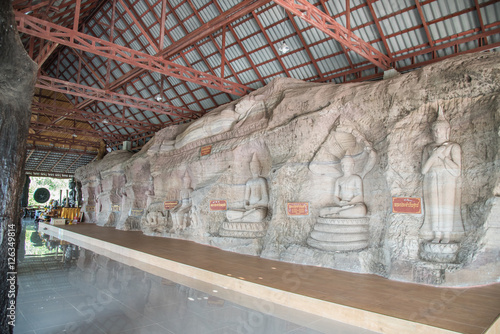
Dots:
pixel 82 292
pixel 460 310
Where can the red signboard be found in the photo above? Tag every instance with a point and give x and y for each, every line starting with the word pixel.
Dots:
pixel 170 204
pixel 297 209
pixel 406 205
pixel 205 150
pixel 218 205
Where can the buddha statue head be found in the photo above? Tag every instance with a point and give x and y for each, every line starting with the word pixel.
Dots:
pixel 347 164
pixel 441 128
pixel 186 180
pixel 255 166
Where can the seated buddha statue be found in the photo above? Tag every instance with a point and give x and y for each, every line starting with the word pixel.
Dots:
pixel 348 199
pixel 256 198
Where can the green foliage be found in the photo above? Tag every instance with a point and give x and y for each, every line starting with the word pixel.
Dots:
pixel 53 185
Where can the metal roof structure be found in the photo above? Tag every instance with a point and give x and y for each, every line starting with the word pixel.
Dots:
pixel 120 70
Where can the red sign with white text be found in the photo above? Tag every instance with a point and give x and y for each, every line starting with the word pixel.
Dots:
pixel 170 204
pixel 297 209
pixel 206 150
pixel 406 205
pixel 218 205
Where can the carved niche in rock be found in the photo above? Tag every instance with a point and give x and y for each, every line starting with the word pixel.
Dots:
pixel 342 225
pixel 442 229
pixel 248 221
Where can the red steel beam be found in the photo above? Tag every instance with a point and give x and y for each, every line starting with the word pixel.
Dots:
pixel 40 126
pixel 42 161
pixel 71 165
pixel 424 23
pixel 139 26
pixel 45 53
pixel 412 56
pixel 379 28
pixel 62 141
pixel 65 87
pixel 270 44
pixel 81 115
pixel 227 17
pixel 348 26
pixel 480 17
pixel 46 30
pixel 329 26
pixel 58 161
pixel 32 147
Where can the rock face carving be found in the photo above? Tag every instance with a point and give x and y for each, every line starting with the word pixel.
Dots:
pixel 348 199
pixel 215 122
pixel 103 186
pixel 248 221
pixel 342 225
pixel 291 128
pixel 441 167
pixel 181 217
pixel 134 193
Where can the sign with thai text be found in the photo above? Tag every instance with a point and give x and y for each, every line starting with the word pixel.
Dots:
pixel 170 204
pixel 297 209
pixel 136 212
pixel 406 205
pixel 218 205
pixel 90 208
pixel 205 150
pixel 115 208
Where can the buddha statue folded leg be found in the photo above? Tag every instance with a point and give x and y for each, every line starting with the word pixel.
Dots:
pixel 357 210
pixel 254 215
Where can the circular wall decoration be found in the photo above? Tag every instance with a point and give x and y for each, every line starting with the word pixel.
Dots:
pixel 41 195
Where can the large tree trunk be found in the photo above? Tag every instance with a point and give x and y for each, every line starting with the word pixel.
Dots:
pixel 17 80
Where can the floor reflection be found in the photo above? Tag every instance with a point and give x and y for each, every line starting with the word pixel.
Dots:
pixel 78 291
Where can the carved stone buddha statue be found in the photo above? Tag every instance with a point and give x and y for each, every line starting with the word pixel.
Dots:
pixel 181 212
pixel 441 167
pixel 248 221
pixel 348 194
pixel 342 225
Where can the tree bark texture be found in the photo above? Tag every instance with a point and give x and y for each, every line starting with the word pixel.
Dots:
pixel 17 80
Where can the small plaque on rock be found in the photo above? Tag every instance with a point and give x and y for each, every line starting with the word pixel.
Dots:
pixel 136 212
pixel 115 208
pixel 170 204
pixel 406 205
pixel 205 150
pixel 218 205
pixel 297 209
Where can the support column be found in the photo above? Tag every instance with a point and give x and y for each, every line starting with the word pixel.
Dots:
pixel 17 82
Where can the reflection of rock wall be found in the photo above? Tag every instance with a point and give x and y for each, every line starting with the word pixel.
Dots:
pixel 294 131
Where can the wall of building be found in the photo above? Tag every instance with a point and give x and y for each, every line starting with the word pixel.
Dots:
pixel 287 147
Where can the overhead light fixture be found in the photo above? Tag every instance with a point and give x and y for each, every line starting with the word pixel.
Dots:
pixel 105 121
pixel 284 48
pixel 159 98
pixel 74 135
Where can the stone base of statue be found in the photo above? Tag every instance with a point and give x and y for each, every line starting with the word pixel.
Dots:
pixel 340 234
pixel 242 230
pixel 436 252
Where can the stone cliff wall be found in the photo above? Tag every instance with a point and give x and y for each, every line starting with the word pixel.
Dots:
pixel 296 135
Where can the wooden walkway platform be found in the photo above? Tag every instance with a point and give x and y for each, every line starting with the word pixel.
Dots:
pixel 366 301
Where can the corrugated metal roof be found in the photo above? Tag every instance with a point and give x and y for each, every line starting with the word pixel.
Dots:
pixel 249 43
